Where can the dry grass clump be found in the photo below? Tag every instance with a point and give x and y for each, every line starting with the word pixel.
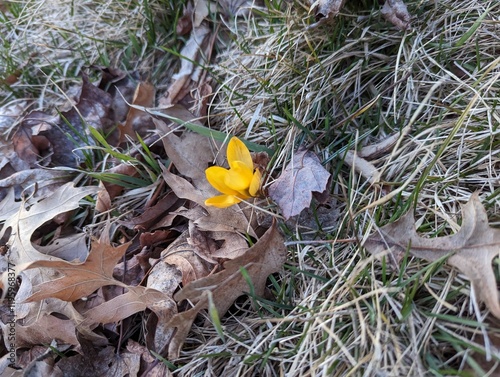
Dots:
pixel 47 43
pixel 344 87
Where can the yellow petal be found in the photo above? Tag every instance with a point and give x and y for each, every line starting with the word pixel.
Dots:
pixel 255 183
pixel 239 177
pixel 237 151
pixel 216 176
pixel 222 201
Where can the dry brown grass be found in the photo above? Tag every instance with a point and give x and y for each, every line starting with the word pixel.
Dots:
pixel 346 86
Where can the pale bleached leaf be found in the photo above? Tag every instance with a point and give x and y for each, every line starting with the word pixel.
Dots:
pixel 293 189
pixel 471 249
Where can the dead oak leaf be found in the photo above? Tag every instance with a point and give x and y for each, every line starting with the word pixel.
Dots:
pixel 44 330
pixel 293 190
pixel 135 300
pixel 80 279
pixel 472 248
pixel 31 216
pixel 264 258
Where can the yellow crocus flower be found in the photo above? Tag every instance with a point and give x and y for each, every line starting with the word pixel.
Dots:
pixel 241 181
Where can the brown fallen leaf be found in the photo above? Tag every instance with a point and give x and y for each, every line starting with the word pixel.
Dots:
pixel 92 109
pixel 191 153
pixel 121 86
pixel 293 190
pixel 471 249
pixel 80 279
pixel 148 362
pixel 264 258
pixel 148 219
pixel 185 22
pixel 135 300
pixel 183 256
pixel 29 141
pixel 165 278
pixel 138 121
pixel 44 330
pixel 32 215
pixel 91 362
pixel 325 9
pixel 42 136
pixel 71 248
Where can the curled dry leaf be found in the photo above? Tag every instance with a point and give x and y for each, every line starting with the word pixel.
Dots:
pixel 29 141
pixel 92 109
pixel 471 249
pixel 364 167
pixel 265 257
pixel 293 190
pixel 325 9
pixel 43 139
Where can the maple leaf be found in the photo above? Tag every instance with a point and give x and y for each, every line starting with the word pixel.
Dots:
pixel 265 257
pixel 471 249
pixel 80 279
pixel 293 190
